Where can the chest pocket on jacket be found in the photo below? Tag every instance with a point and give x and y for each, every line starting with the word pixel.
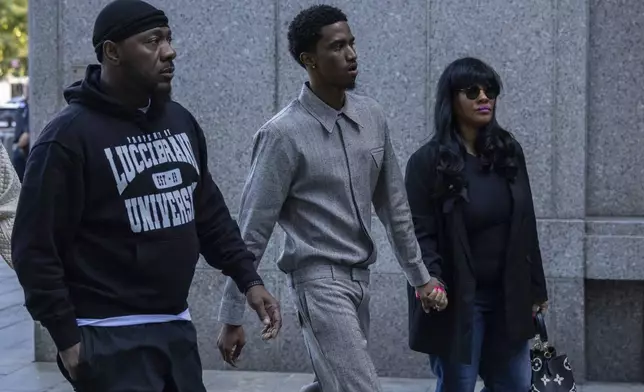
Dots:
pixel 378 154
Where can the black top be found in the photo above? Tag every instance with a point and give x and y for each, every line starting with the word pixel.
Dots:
pixel 487 221
pixel 116 207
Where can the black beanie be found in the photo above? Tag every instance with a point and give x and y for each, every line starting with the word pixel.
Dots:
pixel 122 19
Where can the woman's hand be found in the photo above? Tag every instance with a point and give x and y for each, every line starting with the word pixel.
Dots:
pixel 432 296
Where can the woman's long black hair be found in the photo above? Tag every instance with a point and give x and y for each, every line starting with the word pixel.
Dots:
pixel 494 145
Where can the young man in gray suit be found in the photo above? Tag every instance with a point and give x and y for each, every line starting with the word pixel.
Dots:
pixel 317 168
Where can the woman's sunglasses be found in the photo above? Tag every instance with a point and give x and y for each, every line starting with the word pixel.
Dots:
pixel 473 92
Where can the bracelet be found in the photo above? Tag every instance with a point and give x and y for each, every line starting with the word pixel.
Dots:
pixel 253 283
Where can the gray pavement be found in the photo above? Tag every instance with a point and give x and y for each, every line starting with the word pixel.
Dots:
pixel 18 371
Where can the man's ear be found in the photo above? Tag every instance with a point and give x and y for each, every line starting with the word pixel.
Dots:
pixel 111 52
pixel 308 59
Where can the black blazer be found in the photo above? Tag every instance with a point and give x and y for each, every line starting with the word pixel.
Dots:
pixel 442 236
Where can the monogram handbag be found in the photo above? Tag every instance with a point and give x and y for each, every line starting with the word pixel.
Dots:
pixel 550 372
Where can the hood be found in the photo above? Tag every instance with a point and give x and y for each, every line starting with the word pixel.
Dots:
pixel 88 92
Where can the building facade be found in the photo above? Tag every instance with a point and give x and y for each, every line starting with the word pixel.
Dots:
pixel 572 71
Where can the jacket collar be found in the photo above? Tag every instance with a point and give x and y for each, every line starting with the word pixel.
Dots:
pixel 325 114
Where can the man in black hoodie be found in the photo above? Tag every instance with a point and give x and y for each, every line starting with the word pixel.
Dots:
pixel 117 205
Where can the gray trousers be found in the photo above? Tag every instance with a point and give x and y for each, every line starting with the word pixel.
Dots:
pixel 333 309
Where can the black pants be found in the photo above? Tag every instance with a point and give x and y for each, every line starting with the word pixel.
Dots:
pixel 159 357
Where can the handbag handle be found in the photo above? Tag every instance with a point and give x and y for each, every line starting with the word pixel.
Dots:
pixel 540 324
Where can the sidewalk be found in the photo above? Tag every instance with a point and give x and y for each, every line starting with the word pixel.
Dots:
pixel 18 372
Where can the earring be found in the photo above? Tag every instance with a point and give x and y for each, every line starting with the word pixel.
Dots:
pixel 313 66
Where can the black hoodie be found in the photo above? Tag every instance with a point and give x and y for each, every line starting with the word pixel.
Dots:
pixel 116 206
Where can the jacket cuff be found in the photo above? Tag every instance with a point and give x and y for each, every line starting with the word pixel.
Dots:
pixel 232 311
pixel 417 275
pixel 441 281
pixel 64 331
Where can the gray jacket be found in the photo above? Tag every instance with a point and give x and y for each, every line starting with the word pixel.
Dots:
pixel 317 172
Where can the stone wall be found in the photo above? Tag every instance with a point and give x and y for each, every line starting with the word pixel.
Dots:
pixel 572 73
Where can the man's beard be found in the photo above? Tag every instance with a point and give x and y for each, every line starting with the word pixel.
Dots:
pixel 153 89
pixel 164 94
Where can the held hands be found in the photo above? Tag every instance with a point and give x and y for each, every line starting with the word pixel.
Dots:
pixel 232 338
pixel 536 308
pixel 432 296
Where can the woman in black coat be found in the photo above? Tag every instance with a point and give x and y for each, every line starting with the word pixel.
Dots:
pixel 474 218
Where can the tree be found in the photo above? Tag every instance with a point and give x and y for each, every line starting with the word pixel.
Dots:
pixel 13 38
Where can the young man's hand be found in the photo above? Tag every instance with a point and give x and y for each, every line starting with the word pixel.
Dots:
pixel 230 342
pixel 232 338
